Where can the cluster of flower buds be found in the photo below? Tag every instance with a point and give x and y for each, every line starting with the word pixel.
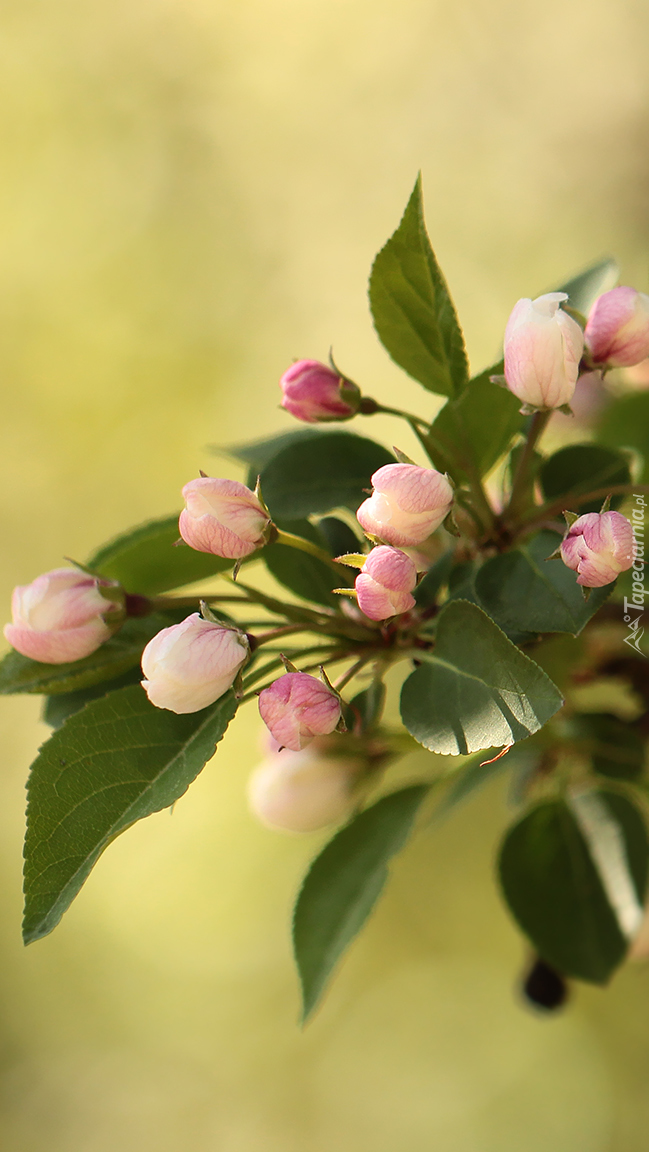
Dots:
pixel 64 616
pixel 545 348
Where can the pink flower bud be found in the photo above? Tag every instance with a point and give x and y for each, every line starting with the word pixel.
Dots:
pixel 385 584
pixel 598 546
pixel 222 517
pixel 192 664
pixel 298 707
pixel 304 791
pixel 62 616
pixel 313 392
pixel 543 347
pixel 407 504
pixel 617 332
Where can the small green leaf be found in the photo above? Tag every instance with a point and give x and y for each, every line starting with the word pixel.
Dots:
pixel 123 650
pixel 555 889
pixel 343 885
pixel 584 289
pixel 472 432
pixel 328 471
pixel 305 575
pixel 581 468
pixel 113 763
pixel 146 562
pixel 476 690
pixel 412 309
pixel 339 537
pixel 523 591
pixel 477 772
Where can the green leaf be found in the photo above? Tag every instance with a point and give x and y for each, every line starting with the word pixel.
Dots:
pixel 259 453
pixel 339 537
pixel 146 562
pixel 584 289
pixel 305 575
pixel 478 772
pixel 57 709
pixel 617 750
pixel 476 690
pixel 524 592
pixel 123 650
pixel 580 468
pixel 343 885
pixel 472 432
pixel 328 471
pixel 556 891
pixel 412 309
pixel 113 763
pixel 625 424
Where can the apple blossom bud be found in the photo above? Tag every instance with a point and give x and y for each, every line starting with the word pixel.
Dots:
pixel 303 791
pixel 598 546
pixel 298 707
pixel 407 504
pixel 385 584
pixel 617 332
pixel 191 664
pixel 313 392
pixel 223 517
pixel 543 348
pixel 62 616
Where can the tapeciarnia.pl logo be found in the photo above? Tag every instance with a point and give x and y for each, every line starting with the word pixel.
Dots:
pixel 634 608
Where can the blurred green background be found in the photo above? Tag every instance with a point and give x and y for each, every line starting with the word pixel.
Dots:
pixel 191 194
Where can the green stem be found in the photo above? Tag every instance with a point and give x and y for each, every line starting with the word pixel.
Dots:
pixel 519 480
pixel 293 541
pixel 288 630
pixel 333 657
pixel 351 672
pixel 383 410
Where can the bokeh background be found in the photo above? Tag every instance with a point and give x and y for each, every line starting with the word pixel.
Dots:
pixel 191 194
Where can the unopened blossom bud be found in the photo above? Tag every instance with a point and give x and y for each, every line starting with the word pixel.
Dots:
pixel 223 517
pixel 384 586
pixel 62 616
pixel 617 332
pixel 543 348
pixel 190 665
pixel 598 546
pixel 407 504
pixel 304 791
pixel 313 392
pixel 298 707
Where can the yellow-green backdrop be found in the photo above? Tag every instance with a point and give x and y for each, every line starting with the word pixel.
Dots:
pixel 191 193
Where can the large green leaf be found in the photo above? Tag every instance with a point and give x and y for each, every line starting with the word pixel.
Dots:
pixel 325 472
pixel 472 432
pixel 258 453
pixel 523 591
pixel 57 709
pixel 580 468
pixel 584 289
pixel 343 885
pixel 561 893
pixel 625 424
pixel 412 309
pixel 123 650
pixel 146 561
pixel 114 762
pixel 476 690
